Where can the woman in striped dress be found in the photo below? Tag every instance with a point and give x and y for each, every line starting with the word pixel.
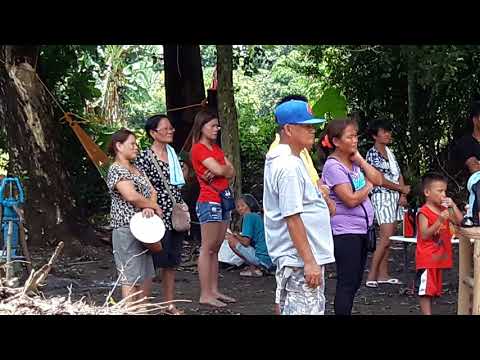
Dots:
pixel 387 200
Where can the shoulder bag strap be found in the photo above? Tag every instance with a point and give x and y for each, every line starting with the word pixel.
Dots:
pixel 160 172
pixel 363 208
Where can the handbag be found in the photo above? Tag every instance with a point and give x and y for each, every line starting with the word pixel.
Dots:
pixel 226 197
pixel 371 232
pixel 180 213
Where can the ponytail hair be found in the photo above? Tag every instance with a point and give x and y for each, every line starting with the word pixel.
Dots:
pixel 119 136
pixel 335 129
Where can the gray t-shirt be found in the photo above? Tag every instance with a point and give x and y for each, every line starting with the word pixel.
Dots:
pixel 288 190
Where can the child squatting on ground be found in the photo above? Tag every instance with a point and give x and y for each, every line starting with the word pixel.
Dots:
pixel 434 239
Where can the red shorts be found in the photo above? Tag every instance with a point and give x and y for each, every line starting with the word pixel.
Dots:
pixel 428 282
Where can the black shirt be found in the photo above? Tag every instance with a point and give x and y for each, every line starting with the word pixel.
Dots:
pixel 466 147
pixel 145 163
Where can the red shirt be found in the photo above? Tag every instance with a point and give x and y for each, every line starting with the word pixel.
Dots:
pixel 434 252
pixel 199 153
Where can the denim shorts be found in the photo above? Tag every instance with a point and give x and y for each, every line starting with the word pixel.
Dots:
pixel 211 212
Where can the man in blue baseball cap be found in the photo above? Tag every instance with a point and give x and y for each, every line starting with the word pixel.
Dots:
pixel 297 219
pixel 304 154
pixel 295 112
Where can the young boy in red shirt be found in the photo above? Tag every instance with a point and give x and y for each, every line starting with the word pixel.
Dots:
pixel 434 239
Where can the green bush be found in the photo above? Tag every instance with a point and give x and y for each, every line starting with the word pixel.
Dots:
pixel 256 135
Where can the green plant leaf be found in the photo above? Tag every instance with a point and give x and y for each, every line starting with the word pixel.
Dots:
pixel 332 104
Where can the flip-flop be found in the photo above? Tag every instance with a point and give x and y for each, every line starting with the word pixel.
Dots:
pixel 215 303
pixel 391 281
pixel 371 284
pixel 227 299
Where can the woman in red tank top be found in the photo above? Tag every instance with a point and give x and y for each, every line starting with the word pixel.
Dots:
pixel 213 170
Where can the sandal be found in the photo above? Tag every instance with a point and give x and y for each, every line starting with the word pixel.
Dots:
pixel 172 310
pixel 371 284
pixel 214 303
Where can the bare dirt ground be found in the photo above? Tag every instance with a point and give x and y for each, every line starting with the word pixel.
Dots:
pixel 93 275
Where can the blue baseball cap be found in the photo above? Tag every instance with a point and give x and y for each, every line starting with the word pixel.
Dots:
pixel 295 112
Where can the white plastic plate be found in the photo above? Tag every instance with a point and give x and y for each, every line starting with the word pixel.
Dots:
pixel 148 230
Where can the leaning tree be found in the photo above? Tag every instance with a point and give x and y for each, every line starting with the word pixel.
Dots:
pixel 32 137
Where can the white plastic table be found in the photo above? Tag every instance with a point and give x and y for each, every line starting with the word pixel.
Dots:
pixel 410 240
pixel 413 239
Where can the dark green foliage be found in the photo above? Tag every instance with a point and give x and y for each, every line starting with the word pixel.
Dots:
pixel 69 72
pixel 374 80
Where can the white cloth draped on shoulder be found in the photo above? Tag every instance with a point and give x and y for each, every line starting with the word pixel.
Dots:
pixel 394 168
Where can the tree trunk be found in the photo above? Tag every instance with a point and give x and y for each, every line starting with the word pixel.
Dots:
pixel 399 109
pixel 411 78
pixel 32 131
pixel 227 111
pixel 183 86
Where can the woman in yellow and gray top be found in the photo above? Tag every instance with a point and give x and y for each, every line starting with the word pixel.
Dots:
pixel 307 161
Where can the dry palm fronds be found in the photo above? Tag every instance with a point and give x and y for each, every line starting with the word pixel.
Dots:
pixel 27 300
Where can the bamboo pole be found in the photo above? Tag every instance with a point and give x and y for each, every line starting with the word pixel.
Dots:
pixel 476 278
pixel 464 271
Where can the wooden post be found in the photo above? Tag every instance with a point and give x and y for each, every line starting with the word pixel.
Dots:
pixel 476 278
pixel 25 252
pixel 464 271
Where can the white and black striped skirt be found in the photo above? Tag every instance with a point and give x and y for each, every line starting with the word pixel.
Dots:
pixel 386 206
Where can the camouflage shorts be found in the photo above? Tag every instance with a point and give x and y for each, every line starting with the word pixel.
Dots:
pixel 295 297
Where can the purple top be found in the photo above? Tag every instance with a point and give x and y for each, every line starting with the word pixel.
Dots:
pixel 346 220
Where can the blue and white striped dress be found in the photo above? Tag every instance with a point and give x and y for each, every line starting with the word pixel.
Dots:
pixel 385 201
